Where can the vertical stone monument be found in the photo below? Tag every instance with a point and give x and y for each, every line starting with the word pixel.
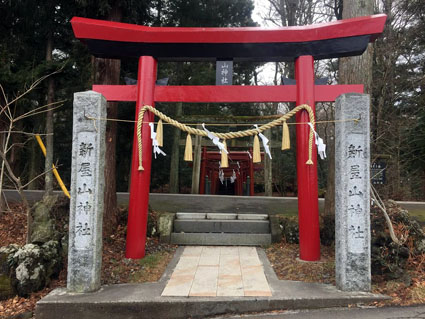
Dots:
pixel 352 193
pixel 87 191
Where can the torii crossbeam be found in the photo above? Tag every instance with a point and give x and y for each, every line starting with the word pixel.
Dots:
pixel 300 44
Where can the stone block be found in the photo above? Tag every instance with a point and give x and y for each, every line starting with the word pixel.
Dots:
pixel 165 226
pixel 275 229
pixel 43 228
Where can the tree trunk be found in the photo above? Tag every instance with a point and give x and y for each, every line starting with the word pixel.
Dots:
pixel 48 178
pixel 3 128
pixel 330 181
pixel 34 164
pixel 107 71
pixel 175 154
pixel 357 69
pixel 268 176
pixel 352 70
pixel 196 170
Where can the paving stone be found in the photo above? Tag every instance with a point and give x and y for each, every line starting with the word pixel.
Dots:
pixel 232 251
pixel 254 281
pixel 230 285
pixel 209 260
pixel 192 251
pixel 205 282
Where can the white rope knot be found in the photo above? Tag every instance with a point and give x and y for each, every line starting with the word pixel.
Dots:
pixel 215 140
pixel 156 149
pixel 321 147
pixel 265 141
pixel 233 177
pixel 221 176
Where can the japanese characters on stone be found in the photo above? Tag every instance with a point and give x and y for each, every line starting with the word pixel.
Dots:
pixel 355 206
pixel 85 184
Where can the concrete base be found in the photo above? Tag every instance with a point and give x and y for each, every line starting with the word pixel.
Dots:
pixel 144 300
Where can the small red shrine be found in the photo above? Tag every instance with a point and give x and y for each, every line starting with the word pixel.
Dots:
pixel 240 173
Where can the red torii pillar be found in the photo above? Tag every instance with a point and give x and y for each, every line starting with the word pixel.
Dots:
pixel 140 180
pixel 308 209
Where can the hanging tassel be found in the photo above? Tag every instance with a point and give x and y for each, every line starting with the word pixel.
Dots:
pixel 256 158
pixel 286 142
pixel 188 149
pixel 224 160
pixel 159 134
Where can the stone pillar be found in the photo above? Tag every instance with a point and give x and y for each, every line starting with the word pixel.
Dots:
pixel 87 192
pixel 352 193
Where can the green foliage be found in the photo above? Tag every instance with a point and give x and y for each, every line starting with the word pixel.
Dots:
pixel 398 104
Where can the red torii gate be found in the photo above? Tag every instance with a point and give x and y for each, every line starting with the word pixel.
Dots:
pixel 303 44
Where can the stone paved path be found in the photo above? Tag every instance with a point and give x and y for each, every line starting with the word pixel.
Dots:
pixel 211 271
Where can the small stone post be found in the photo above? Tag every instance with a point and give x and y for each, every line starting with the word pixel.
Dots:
pixel 352 193
pixel 87 191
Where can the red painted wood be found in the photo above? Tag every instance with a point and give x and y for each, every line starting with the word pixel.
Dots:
pixel 329 93
pixel 116 31
pixel 308 211
pixel 219 94
pixel 140 180
pixel 117 93
pixel 214 180
pixel 224 93
pixel 239 184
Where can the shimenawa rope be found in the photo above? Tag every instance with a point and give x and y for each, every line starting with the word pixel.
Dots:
pixel 225 136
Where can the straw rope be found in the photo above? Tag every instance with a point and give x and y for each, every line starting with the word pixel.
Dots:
pixel 229 135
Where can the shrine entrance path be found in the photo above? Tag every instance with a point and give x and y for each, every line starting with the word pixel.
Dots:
pixel 211 271
pixel 241 289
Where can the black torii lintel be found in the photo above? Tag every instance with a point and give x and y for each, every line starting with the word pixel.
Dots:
pixel 335 39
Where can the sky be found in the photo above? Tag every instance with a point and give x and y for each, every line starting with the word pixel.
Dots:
pixel 267 70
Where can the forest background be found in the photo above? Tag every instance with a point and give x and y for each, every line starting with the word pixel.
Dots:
pixel 37 40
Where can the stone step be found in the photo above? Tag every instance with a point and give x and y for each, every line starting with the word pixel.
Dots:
pixel 222 226
pixel 253 216
pixel 223 239
pixel 185 215
pixel 220 216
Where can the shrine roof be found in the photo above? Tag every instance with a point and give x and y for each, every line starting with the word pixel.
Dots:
pixel 326 40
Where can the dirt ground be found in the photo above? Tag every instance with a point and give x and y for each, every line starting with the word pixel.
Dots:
pixel 285 262
pixel 117 269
